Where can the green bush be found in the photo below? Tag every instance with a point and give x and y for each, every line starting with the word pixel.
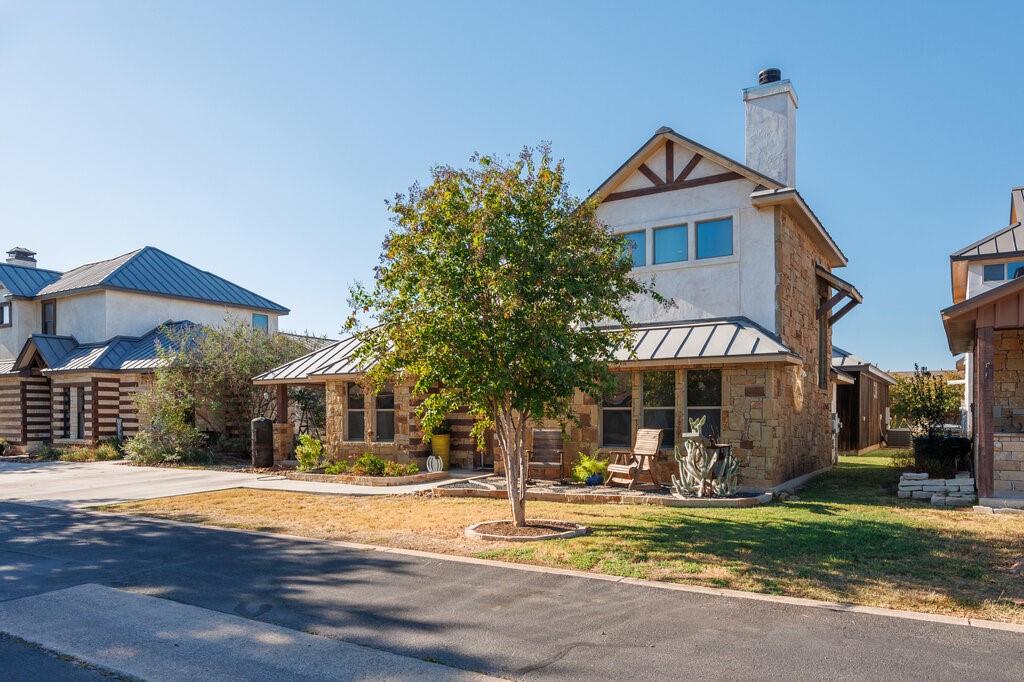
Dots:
pixel 167 444
pixel 309 452
pixel 587 467
pixel 4 445
pixel 396 469
pixel 340 466
pixel 369 464
pixel 942 455
pixel 104 452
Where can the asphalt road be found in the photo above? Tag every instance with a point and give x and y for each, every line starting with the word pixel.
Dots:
pixel 26 662
pixel 516 624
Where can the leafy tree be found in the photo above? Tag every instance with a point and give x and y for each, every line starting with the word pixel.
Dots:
pixel 204 385
pixel 924 400
pixel 491 293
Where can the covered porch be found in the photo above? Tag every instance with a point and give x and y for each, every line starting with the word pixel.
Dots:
pixel 989 329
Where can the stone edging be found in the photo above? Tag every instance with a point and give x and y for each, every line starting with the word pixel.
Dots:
pixel 652 584
pixel 379 481
pixel 594 498
pixel 472 532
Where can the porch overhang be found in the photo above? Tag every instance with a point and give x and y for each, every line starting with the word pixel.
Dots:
pixel 788 197
pixel 840 291
pixel 998 308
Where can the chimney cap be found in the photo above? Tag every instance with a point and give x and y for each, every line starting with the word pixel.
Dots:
pixel 771 75
pixel 21 252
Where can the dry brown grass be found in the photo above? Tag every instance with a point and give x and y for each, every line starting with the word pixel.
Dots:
pixel 847 539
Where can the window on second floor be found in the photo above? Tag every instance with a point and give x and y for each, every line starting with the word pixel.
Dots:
pixel 714 238
pixel 670 244
pixel 997 272
pixel 637 243
pixel 5 314
pixel 261 322
pixel 49 317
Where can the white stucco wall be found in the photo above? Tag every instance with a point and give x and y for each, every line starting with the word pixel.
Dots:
pixel 26 320
pixel 83 316
pixel 133 314
pixel 975 276
pixel 741 284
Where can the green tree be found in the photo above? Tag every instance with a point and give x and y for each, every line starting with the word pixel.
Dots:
pixel 925 401
pixel 204 384
pixel 491 293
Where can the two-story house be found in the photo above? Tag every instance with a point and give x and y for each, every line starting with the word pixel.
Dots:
pixel 748 343
pixel 986 323
pixel 76 346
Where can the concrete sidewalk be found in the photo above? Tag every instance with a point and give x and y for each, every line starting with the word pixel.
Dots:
pixel 71 485
pixel 158 639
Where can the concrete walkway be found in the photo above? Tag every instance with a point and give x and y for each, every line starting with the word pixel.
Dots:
pixel 73 485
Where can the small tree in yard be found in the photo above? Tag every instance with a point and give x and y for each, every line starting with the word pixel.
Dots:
pixel 924 400
pixel 204 384
pixel 490 294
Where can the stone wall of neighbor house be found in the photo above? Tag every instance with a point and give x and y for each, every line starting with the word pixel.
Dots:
pixel 1008 463
pixel 405 447
pixel 803 408
pixel 1008 381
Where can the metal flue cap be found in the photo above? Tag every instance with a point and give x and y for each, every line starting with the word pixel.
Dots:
pixel 769 76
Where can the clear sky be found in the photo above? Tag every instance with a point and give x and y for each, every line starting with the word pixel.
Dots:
pixel 260 140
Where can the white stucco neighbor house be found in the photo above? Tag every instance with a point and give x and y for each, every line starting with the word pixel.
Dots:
pixel 75 346
pixel 748 345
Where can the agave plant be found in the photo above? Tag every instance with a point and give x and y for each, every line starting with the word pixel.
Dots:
pixel 704 471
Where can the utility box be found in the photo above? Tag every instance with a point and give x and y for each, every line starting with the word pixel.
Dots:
pixel 262 442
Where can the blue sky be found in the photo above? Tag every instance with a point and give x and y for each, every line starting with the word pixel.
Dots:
pixel 261 140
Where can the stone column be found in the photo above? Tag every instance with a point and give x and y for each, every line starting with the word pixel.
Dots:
pixel 983 358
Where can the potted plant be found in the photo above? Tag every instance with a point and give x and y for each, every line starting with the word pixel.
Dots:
pixel 589 470
pixel 441 443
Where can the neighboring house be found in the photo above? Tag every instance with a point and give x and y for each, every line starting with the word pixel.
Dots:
pixel 862 402
pixel 986 323
pixel 76 346
pixel 748 345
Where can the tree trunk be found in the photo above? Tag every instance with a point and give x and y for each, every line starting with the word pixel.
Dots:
pixel 510 427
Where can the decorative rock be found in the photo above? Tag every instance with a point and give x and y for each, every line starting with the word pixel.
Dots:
pixel 902 493
pixel 914 476
pixel 921 495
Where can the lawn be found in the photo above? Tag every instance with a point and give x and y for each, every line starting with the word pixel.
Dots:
pixel 847 538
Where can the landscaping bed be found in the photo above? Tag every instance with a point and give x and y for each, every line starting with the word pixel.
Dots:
pixel 353 479
pixel 493 487
pixel 847 539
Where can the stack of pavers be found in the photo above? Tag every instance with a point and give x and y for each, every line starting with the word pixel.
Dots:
pixel 943 492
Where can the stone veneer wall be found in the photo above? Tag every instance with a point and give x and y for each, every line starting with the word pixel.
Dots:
pixel 1008 463
pixel 1008 381
pixel 408 444
pixel 803 409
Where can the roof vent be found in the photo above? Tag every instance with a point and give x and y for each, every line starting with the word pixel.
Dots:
pixel 767 76
pixel 19 255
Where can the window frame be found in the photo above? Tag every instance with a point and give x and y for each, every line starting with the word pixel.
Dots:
pixel 732 237
pixel 1006 271
pixel 8 315
pixel 265 327
pixel 378 410
pixel 685 227
pixel 628 409
pixel 349 410
pixel 645 408
pixel 1002 272
pixel 48 303
pixel 706 408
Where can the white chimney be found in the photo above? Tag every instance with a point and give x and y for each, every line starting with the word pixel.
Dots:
pixel 771 127
pixel 19 255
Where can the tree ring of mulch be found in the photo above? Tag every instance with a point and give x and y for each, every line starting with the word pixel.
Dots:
pixel 534 530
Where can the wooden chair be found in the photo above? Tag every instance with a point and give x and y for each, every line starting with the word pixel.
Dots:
pixel 546 455
pixel 627 468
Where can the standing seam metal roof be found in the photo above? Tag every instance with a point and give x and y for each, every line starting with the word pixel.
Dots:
pixel 725 338
pixel 150 270
pixel 23 281
pixel 122 353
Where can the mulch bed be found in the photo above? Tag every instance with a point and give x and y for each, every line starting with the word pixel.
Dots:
pixel 531 529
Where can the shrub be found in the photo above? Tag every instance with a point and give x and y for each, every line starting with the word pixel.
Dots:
pixel 396 469
pixel 587 467
pixel 924 401
pixel 3 446
pixel 340 466
pixel 369 464
pixel 104 452
pixel 48 453
pixel 309 452
pixel 941 455
pixel 167 444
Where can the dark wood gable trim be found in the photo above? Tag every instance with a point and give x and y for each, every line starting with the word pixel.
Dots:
pixel 672 186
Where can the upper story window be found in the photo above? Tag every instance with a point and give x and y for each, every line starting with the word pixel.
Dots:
pixel 49 317
pixel 637 243
pixel 997 272
pixel 261 322
pixel 670 244
pixel 5 314
pixel 714 238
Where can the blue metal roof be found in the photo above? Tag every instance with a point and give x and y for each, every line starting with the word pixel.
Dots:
pixel 123 354
pixel 22 281
pixel 152 271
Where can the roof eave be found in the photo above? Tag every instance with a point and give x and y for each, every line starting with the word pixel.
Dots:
pixel 790 197
pixel 280 310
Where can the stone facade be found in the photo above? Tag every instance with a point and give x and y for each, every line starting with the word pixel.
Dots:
pixel 1008 463
pixel 1007 381
pixel 941 492
pixel 404 448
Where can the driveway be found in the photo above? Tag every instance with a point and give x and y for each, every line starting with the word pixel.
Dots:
pixel 73 485
pixel 500 621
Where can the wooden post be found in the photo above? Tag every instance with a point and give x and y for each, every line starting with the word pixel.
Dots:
pixel 282 404
pixel 984 440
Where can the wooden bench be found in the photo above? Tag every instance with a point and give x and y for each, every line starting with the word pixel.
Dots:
pixel 628 468
pixel 546 455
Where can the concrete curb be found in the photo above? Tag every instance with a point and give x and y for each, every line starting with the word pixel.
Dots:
pixel 475 533
pixel 652 584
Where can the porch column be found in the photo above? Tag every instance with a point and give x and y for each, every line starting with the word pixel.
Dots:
pixel 984 441
pixel 282 404
pixel 284 432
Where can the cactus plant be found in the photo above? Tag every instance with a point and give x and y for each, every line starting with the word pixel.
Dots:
pixel 704 471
